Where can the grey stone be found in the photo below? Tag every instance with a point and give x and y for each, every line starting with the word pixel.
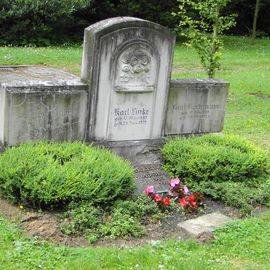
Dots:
pixel 40 103
pixel 145 157
pixel 127 64
pixel 138 152
pixel 205 223
pixel 151 175
pixel 196 106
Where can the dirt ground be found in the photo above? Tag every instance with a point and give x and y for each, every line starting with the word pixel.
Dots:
pixel 45 226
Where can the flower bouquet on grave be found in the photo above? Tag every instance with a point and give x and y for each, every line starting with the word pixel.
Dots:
pixel 178 193
pixel 161 201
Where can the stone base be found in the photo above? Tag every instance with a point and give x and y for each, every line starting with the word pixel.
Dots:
pixel 2 148
pixel 137 152
pixel 205 223
pixel 145 156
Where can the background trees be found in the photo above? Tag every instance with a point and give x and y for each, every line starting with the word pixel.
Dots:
pixel 244 21
pixel 38 22
pixel 44 22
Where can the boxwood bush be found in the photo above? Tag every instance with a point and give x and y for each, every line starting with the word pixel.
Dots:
pixel 214 157
pixel 49 174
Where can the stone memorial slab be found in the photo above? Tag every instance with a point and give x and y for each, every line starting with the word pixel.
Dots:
pixel 205 223
pixel 40 103
pixel 151 175
pixel 127 64
pixel 196 106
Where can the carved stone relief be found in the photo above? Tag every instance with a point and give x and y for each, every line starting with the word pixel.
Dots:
pixel 136 69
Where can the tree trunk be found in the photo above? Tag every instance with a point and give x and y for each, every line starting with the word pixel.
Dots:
pixel 255 18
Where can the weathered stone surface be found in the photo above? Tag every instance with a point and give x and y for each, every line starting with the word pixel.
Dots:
pixel 196 106
pixel 128 83
pixel 40 103
pixel 25 75
pixel 138 152
pixel 144 155
pixel 205 223
pixel 151 175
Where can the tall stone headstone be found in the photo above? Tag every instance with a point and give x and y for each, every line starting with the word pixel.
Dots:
pixel 127 65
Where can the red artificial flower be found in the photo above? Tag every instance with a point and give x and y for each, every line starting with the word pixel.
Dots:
pixel 191 198
pixel 166 201
pixel 183 202
pixel 157 198
pixel 193 204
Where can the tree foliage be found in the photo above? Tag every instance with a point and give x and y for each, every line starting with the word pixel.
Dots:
pixel 202 23
pixel 152 10
pixel 46 22
pixel 24 22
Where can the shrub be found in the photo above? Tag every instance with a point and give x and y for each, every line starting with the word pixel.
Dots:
pixel 121 225
pixel 124 218
pixel 83 217
pixel 202 23
pixel 214 157
pixel 238 195
pixel 142 208
pixel 44 174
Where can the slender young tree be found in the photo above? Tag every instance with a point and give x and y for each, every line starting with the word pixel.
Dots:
pixel 202 23
pixel 255 19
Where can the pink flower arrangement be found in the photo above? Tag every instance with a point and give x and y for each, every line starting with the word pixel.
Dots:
pixel 175 182
pixel 149 190
pixel 185 190
pixel 180 193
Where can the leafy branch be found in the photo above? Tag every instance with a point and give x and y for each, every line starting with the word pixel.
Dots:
pixel 202 23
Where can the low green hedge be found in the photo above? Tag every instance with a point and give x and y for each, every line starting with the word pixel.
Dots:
pixel 48 174
pixel 214 157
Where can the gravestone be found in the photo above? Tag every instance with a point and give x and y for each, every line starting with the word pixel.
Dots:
pixel 124 100
pixel 204 223
pixel 196 106
pixel 151 174
pixel 40 103
pixel 127 65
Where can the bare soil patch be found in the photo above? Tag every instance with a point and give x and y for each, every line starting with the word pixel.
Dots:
pixel 45 225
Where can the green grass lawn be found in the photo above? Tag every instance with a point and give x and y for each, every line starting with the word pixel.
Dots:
pixel 242 245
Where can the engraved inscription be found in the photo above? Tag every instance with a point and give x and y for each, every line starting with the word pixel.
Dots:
pixel 196 111
pixel 151 174
pixel 130 116
pixel 52 119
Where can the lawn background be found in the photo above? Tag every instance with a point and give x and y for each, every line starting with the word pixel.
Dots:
pixel 242 245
